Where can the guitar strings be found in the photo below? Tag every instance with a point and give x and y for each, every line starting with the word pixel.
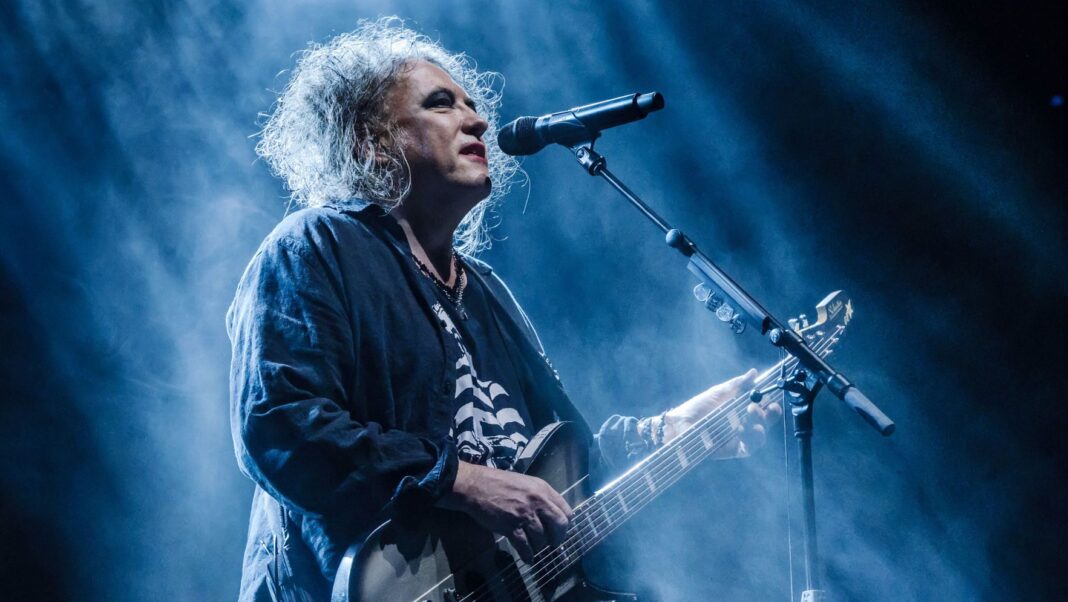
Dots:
pixel 551 565
pixel 597 526
pixel 648 495
pixel 542 572
pixel 660 466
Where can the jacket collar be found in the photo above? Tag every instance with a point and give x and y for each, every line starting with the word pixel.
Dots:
pixel 384 219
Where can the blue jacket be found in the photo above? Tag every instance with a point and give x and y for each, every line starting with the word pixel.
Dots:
pixel 341 392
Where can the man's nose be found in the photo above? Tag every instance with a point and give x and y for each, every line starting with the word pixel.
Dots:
pixel 475 125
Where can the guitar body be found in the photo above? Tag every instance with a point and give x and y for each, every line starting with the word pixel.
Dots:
pixel 445 557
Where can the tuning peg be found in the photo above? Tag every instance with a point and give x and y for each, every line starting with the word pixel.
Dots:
pixel 707 296
pixel 702 292
pixel 804 320
pixel 725 313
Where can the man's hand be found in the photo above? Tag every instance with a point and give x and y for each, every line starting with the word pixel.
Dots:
pixel 525 509
pixel 750 434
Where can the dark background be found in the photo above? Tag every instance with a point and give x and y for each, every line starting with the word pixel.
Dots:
pixel 911 154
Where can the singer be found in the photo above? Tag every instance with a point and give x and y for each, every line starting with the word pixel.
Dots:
pixel 379 369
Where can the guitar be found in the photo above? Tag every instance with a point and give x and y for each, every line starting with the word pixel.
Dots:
pixel 445 557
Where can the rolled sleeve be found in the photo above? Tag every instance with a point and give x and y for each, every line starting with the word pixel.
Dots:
pixel 620 444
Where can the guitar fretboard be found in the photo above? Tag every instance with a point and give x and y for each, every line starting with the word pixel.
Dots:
pixel 618 501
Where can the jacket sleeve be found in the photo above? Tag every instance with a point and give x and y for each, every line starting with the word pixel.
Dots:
pixel 293 352
pixel 618 446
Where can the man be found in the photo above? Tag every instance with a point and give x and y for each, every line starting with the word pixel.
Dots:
pixel 378 369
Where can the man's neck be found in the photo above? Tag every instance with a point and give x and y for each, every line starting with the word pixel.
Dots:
pixel 431 244
pixel 430 223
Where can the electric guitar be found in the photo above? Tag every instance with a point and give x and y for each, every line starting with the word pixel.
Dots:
pixel 445 557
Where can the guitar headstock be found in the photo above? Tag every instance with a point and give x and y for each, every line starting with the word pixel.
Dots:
pixel 832 316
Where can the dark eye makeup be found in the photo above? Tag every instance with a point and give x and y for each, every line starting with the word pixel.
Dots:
pixel 440 98
pixel 445 98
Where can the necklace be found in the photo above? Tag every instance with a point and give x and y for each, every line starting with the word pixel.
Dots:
pixel 455 293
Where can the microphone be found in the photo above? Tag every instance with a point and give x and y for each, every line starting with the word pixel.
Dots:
pixel 528 135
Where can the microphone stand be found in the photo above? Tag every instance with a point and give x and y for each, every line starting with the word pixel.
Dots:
pixel 812 373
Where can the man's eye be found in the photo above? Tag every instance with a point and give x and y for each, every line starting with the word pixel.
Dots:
pixel 440 100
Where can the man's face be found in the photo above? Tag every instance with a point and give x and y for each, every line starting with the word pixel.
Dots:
pixel 440 134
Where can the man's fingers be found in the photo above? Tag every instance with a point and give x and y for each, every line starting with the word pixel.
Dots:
pixel 757 414
pixel 555 515
pixel 558 502
pixel 754 434
pixel 754 437
pixel 774 412
pixel 518 539
pixel 745 381
pixel 736 386
pixel 555 524
pixel 535 534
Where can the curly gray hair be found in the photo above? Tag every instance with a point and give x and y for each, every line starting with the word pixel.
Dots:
pixel 329 138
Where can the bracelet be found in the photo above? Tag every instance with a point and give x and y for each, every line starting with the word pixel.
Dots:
pixel 658 436
pixel 646 435
pixel 651 432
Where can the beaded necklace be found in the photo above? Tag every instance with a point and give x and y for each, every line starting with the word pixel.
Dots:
pixel 455 293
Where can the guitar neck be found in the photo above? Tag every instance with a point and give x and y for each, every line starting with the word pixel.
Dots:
pixel 619 500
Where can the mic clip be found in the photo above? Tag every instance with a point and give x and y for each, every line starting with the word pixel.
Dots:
pixel 589 158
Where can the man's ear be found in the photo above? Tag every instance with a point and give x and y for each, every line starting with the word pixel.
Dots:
pixel 376 148
pixel 386 148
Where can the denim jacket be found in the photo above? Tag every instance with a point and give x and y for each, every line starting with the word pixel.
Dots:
pixel 341 392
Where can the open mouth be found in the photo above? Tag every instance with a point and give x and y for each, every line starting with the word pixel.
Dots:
pixel 475 149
